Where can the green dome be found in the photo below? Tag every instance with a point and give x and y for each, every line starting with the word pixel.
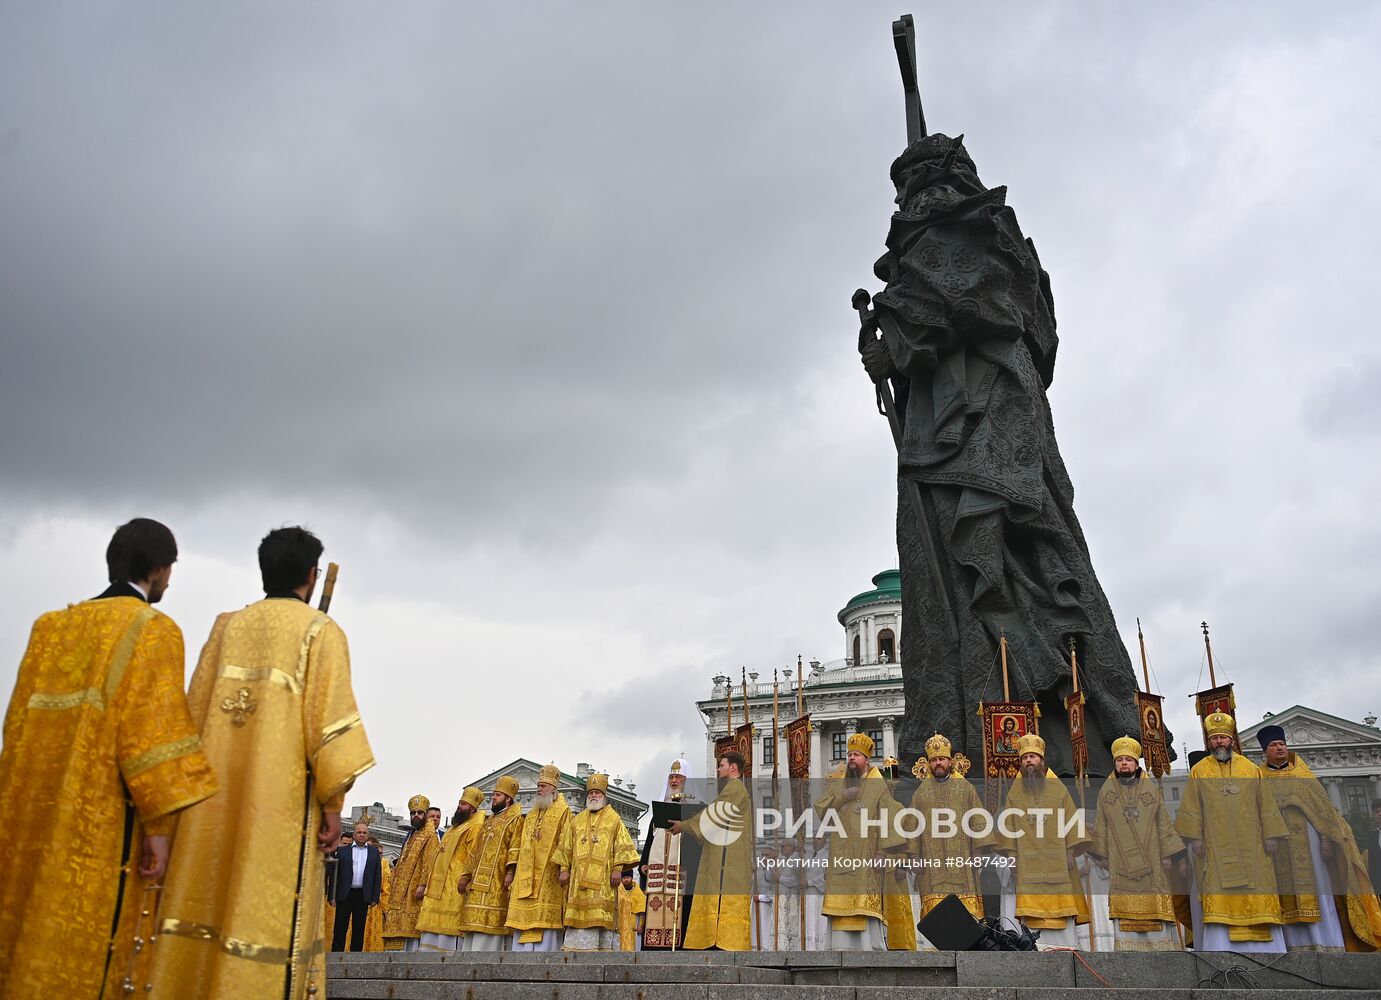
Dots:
pixel 886 587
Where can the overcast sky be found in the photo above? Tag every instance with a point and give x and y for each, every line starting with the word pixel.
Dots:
pixel 539 315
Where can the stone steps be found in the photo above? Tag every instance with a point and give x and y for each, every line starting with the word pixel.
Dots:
pixel 833 975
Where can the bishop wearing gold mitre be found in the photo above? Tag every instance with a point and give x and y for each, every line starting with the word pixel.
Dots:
pixel 484 876
pixel 540 863
pixel 411 876
pixel 855 812
pixel 948 862
pixel 241 910
pixel 723 885
pixel 1320 874
pixel 100 753
pixel 1231 822
pixel 1043 830
pixel 601 848
pixel 438 921
pixel 1135 840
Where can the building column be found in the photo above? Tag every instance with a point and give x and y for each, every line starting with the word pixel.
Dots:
pixel 1375 790
pixel 867 652
pixel 817 760
pixel 1335 793
pixel 889 739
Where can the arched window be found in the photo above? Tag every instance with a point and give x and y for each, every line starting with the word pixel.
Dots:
pixel 887 646
pixel 858 650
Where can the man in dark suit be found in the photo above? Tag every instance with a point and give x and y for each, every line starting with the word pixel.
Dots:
pixel 1374 847
pixel 355 885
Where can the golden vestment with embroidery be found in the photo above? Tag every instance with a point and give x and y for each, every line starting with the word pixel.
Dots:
pixel 414 870
pixel 1303 802
pixel 537 899
pixel 1048 886
pixel 440 911
pixel 853 881
pixel 374 922
pixel 723 886
pixel 1133 832
pixel 241 913
pixel 631 903
pixel 939 875
pixel 99 748
pixel 484 907
pixel 896 895
pixel 600 844
pixel 1229 807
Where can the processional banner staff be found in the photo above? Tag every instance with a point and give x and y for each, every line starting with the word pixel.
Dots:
pixel 1150 711
pixel 1216 698
pixel 798 774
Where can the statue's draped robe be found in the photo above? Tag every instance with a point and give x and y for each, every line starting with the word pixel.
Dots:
pixel 854 881
pixel 1229 807
pixel 1133 831
pixel 1305 806
pixel 440 911
pixel 414 869
pixel 945 860
pixel 631 903
pixel 600 845
pixel 723 884
pixel 99 748
pixel 241 911
pixel 484 909
pixel 968 320
pixel 374 922
pixel 1048 887
pixel 537 899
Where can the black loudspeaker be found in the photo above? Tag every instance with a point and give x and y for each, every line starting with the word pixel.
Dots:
pixel 950 926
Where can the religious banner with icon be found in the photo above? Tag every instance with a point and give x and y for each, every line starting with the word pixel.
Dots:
pixel 1219 699
pixel 1004 723
pixel 1078 739
pixel 798 759
pixel 1153 748
pixel 742 741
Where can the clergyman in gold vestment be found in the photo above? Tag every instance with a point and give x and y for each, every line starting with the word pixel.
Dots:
pixel 241 913
pixel 601 849
pixel 948 862
pixel 1135 841
pixel 411 878
pixel 1041 827
pixel 99 754
pixel 723 887
pixel 438 921
pixel 1230 820
pixel 484 876
pixel 855 812
pixel 540 862
pixel 1321 878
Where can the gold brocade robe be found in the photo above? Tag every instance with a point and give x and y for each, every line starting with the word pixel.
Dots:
pixel 537 899
pixel 723 887
pixel 241 911
pixel 853 881
pixel 896 897
pixel 98 748
pixel 600 844
pixel 1048 886
pixel 1229 807
pixel 1133 832
pixel 414 870
pixel 947 862
pixel 631 903
pixel 374 922
pixel 484 908
pixel 440 911
pixel 1303 802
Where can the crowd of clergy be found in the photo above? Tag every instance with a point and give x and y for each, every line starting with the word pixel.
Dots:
pixel 189 833
pixel 1257 859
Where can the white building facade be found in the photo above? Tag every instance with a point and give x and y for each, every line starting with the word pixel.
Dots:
pixel 860 692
